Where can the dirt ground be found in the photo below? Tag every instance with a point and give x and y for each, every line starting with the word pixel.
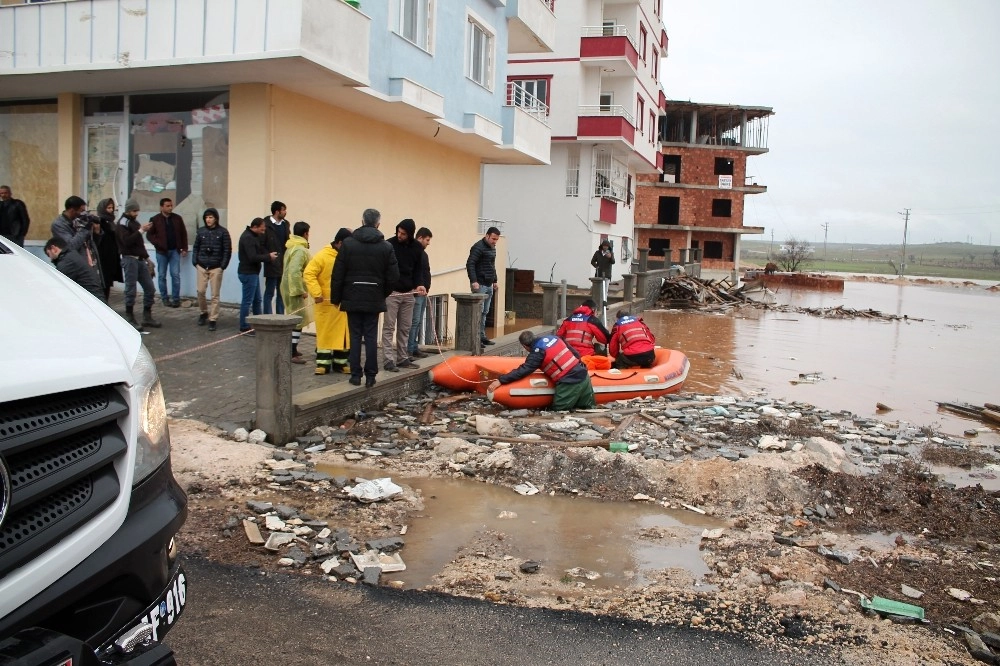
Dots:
pixel 768 578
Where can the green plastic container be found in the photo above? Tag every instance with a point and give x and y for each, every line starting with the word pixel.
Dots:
pixel 618 447
pixel 890 607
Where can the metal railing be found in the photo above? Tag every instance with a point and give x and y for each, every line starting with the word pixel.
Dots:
pixel 608 31
pixel 608 110
pixel 485 224
pixel 524 100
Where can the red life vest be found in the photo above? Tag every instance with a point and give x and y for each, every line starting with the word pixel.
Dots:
pixel 634 335
pixel 559 358
pixel 579 332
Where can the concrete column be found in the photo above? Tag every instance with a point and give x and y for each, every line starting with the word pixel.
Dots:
pixel 550 303
pixel 467 317
pixel 69 151
pixel 694 127
pixel 628 290
pixel 743 129
pixel 640 284
pixel 563 289
pixel 643 259
pixel 274 375
pixel 682 255
pixel 599 291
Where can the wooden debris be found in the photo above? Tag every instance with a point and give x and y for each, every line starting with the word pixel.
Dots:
pixel 253 532
pixel 985 413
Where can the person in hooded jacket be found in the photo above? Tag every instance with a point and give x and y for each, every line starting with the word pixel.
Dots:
pixel 293 285
pixel 108 257
pixel 363 276
pixel 399 305
pixel 603 260
pixel 332 338
pixel 632 343
pixel 212 251
pixel 582 329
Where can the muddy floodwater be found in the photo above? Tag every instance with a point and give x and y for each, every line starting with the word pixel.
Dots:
pixel 625 544
pixel 950 356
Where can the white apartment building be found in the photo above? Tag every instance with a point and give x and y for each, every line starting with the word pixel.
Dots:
pixel 601 93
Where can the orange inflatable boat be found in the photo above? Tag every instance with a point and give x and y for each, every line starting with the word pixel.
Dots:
pixel 475 373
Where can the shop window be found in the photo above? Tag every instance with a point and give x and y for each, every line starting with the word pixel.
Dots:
pixel 722 208
pixel 28 164
pixel 713 250
pixel 669 211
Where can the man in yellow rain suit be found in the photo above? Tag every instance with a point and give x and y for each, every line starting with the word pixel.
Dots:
pixel 332 337
pixel 292 286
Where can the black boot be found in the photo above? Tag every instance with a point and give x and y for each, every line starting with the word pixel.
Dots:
pixel 147 318
pixel 130 318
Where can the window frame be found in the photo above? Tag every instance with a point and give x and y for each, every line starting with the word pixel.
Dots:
pixel 535 79
pixel 487 50
pixel 423 23
pixel 722 207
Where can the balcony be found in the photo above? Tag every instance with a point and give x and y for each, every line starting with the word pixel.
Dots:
pixel 526 125
pixel 610 47
pixel 310 46
pixel 606 122
pixel 531 26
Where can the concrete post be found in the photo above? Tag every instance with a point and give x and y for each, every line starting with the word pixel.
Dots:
pixel 468 315
pixel 640 284
pixel 274 375
pixel 682 256
pixel 643 259
pixel 550 303
pixel 563 289
pixel 628 289
pixel 597 291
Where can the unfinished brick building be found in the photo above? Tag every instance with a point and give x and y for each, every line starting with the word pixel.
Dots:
pixel 697 203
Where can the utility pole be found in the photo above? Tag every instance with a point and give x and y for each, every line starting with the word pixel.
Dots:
pixel 906 224
pixel 826 231
pixel 770 250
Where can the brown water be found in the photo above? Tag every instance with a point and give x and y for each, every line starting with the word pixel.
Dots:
pixel 951 356
pixel 626 543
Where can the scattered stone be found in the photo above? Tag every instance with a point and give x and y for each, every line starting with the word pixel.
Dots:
pixel 961 595
pixel 371 575
pixel 387 545
pixel 911 592
pixel 277 540
pixel 530 566
pixel 253 532
pixel 241 434
pixel 259 507
pixel 507 515
pixel 257 437
pixel 986 623
pixel 274 523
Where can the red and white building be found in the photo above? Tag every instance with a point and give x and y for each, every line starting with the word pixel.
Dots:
pixel 601 93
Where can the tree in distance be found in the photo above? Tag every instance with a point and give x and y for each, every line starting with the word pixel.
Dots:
pixel 793 254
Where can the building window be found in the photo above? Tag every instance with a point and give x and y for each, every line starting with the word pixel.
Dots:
pixel 713 250
pixel 629 194
pixel 539 88
pixel 415 21
pixel 669 211
pixel 573 174
pixel 723 166
pixel 642 41
pixel 652 126
pixel 722 207
pixel 656 64
pixel 607 100
pixel 659 247
pixel 671 169
pixel 610 177
pixel 640 107
pixel 608 28
pixel 480 66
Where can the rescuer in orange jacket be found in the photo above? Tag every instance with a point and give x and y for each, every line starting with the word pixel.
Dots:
pixel 561 363
pixel 582 329
pixel 632 343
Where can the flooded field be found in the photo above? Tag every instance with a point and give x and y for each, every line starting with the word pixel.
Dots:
pixel 908 365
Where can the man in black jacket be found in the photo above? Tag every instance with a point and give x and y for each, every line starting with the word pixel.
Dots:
pixel 363 275
pixel 73 266
pixel 252 255
pixel 399 304
pixel 14 218
pixel 213 248
pixel 135 265
pixel 481 267
pixel 274 239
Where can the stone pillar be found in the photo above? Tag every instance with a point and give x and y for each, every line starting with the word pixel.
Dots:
pixel 682 256
pixel 274 375
pixel 628 290
pixel 468 315
pixel 643 259
pixel 563 289
pixel 550 303
pixel 599 291
pixel 640 284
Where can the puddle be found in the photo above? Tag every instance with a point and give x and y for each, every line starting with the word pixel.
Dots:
pixel 962 478
pixel 626 543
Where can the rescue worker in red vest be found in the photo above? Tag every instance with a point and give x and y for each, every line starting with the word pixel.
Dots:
pixel 582 329
pixel 561 364
pixel 632 343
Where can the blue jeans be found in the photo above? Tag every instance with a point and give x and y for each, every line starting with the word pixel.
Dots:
pixel 488 290
pixel 419 305
pixel 171 260
pixel 271 290
pixel 251 297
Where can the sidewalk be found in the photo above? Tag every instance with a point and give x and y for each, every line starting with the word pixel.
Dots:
pixel 216 384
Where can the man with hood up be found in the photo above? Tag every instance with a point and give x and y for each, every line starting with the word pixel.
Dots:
pixel 213 248
pixel 583 329
pixel 363 276
pixel 293 286
pixel 399 305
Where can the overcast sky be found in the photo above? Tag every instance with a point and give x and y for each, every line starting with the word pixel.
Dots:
pixel 880 105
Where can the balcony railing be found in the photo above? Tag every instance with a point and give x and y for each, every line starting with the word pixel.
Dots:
pixel 608 110
pixel 608 31
pixel 524 100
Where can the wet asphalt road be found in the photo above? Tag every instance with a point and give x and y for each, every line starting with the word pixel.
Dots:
pixel 237 615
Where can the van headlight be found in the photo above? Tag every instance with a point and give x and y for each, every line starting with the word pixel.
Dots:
pixel 153 441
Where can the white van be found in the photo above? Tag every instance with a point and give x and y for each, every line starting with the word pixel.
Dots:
pixel 88 504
